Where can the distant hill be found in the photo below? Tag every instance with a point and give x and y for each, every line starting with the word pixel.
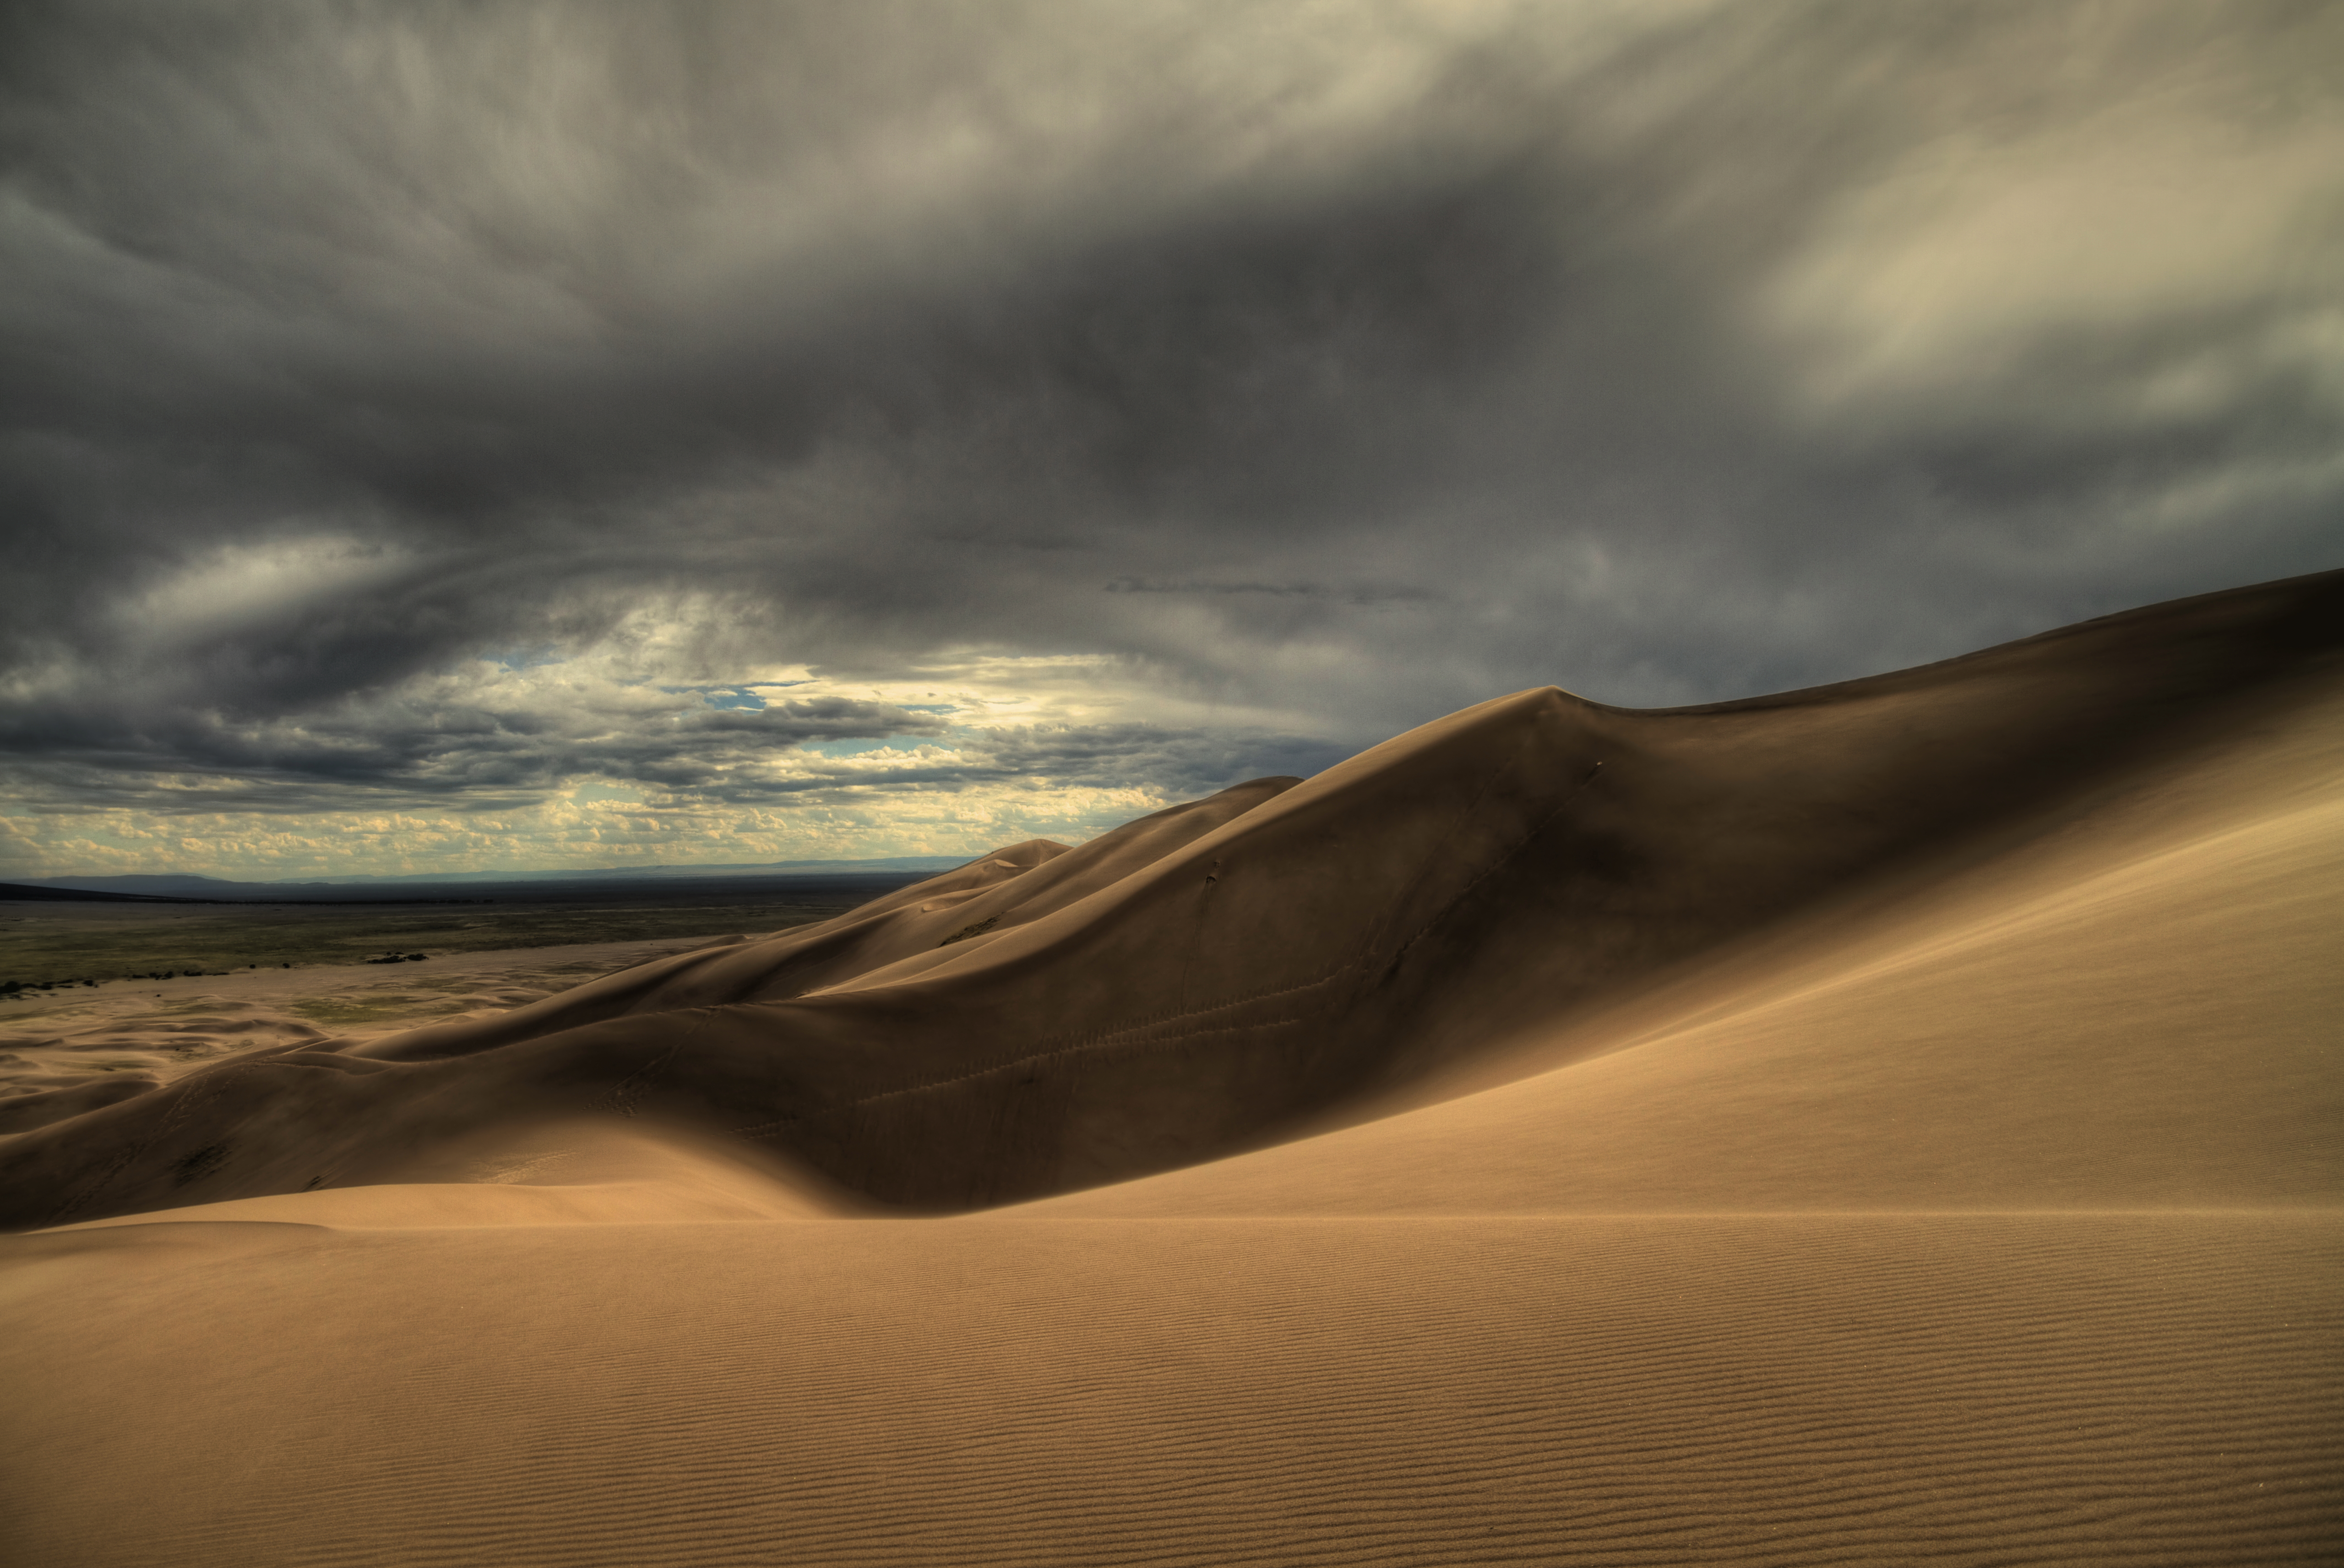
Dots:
pixel 128 886
pixel 36 893
pixel 770 868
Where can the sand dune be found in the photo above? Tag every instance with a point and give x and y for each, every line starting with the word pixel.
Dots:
pixel 1896 1122
pixel 1212 977
pixel 2148 1012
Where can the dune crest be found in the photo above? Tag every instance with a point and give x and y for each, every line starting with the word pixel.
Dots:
pixel 2142 1014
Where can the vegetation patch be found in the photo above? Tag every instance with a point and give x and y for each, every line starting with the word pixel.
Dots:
pixel 100 944
pixel 965 932
pixel 198 1165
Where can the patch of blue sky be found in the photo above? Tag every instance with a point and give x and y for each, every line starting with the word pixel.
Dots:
pixel 855 748
pixel 929 707
pixel 740 697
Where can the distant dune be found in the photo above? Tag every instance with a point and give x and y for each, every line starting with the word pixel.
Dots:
pixel 1897 1121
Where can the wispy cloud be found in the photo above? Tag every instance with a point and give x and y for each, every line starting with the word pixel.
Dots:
pixel 429 409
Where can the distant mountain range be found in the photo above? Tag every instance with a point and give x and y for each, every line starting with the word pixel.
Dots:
pixel 183 885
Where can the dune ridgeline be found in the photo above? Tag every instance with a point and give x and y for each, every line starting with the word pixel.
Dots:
pixel 1899 1120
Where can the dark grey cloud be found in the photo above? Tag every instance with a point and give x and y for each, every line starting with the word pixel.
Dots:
pixel 1326 380
pixel 1182 762
pixel 435 756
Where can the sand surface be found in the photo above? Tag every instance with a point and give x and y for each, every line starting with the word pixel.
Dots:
pixel 114 1041
pixel 1966 1187
pixel 1768 1389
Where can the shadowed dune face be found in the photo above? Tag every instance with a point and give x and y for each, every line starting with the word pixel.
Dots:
pixel 2142 1013
pixel 44 1106
pixel 1204 980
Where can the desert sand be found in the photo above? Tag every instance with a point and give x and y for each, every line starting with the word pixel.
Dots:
pixel 118 1040
pixel 1892 1122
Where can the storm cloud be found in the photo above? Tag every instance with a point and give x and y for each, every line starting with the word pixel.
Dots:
pixel 878 429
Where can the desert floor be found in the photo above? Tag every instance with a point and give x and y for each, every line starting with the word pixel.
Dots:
pixel 160 1029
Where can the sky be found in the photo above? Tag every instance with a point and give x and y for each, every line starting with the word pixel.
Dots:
pixel 507 436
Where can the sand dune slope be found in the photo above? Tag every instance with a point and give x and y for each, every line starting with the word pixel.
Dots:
pixel 2148 1012
pixel 1211 978
pixel 1784 1390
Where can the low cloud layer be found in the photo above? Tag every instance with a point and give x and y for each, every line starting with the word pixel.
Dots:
pixel 760 432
